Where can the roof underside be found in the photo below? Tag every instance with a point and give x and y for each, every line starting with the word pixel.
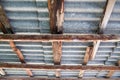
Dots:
pixel 80 17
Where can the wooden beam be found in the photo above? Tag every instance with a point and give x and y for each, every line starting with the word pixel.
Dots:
pixel 110 73
pixel 36 78
pixel 87 55
pixel 57 52
pixel 56 13
pixel 6 27
pixel 67 38
pixel 81 73
pixel 2 72
pixel 56 67
pixel 95 49
pixel 29 72
pixel 17 51
pixel 107 14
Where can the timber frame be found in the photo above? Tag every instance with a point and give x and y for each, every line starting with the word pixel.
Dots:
pixel 56 15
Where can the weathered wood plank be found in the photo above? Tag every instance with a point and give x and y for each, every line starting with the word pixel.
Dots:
pixel 48 38
pixel 107 14
pixel 56 67
pixel 57 52
pixel 56 14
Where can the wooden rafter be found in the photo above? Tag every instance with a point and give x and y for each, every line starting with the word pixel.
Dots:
pixel 110 73
pixel 67 38
pixel 107 14
pixel 95 49
pixel 4 22
pixel 56 13
pixel 56 67
pixel 57 52
pixel 17 51
pixel 20 56
pixel 87 55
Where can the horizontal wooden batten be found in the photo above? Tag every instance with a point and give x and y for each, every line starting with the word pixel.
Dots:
pixel 56 67
pixel 59 37
pixel 27 78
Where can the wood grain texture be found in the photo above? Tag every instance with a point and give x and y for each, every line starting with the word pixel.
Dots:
pixel 56 14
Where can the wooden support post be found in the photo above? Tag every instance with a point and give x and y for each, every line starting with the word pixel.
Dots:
pixel 2 72
pixel 95 49
pixel 110 73
pixel 107 14
pixel 56 13
pixel 57 52
pixel 4 22
pixel 81 73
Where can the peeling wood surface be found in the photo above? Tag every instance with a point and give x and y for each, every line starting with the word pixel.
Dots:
pixel 58 37
pixel 56 67
pixel 57 52
pixel 56 14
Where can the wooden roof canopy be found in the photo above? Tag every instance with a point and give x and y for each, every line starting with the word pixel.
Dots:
pixel 56 15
